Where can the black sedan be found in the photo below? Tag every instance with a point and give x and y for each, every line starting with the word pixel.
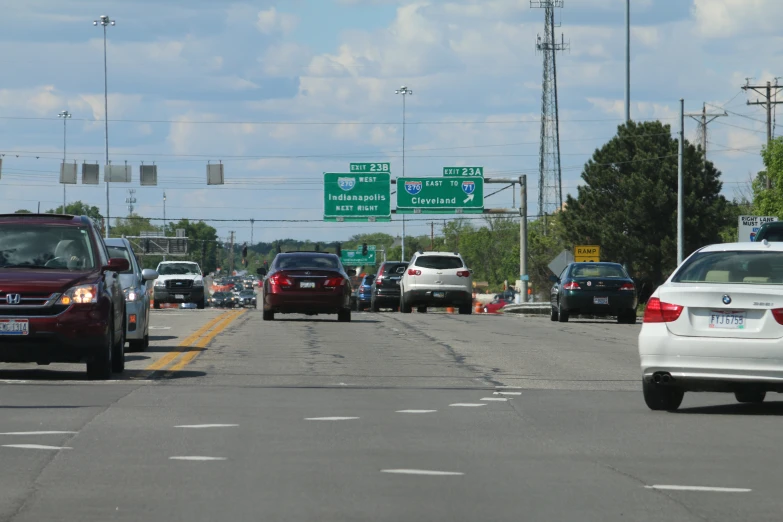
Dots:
pixel 222 300
pixel 597 289
pixel 247 298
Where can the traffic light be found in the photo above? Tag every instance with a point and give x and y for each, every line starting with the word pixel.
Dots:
pixel 364 249
pixel 244 250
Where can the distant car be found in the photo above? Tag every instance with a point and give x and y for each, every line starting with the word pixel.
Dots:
pixel 599 289
pixel 61 299
pixel 364 292
pixel 179 282
pixel 307 283
pixel 716 325
pixel 437 279
pixel 385 291
pixel 497 304
pixel 772 231
pixel 137 299
pixel 247 298
pixel 222 300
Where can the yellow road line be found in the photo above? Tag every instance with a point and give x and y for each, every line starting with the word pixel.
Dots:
pixel 186 343
pixel 204 341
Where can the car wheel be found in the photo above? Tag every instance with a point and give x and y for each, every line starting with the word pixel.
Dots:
pixel 268 316
pixel 661 398
pixel 99 369
pixel 405 307
pixel 562 315
pixel 750 396
pixel 553 315
pixel 421 309
pixel 466 310
pixel 344 316
pixel 118 355
pixel 200 305
pixel 156 305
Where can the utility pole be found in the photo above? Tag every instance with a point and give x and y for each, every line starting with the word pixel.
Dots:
pixel 766 93
pixel 627 61
pixel 404 92
pixel 680 186
pixel 106 21
pixel 130 200
pixel 164 213
pixel 703 118
pixel 64 115
pixel 252 221
pixel 523 275
pixel 231 253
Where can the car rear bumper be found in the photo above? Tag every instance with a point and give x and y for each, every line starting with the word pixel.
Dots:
pixel 584 304
pixel 387 295
pixel 73 336
pixel 427 297
pixel 135 331
pixel 710 363
pixel 190 295
pixel 306 303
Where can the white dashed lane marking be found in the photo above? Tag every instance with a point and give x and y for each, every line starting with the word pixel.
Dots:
pixel 331 418
pixel 36 446
pixel 39 433
pixel 200 426
pixel 416 411
pixel 496 399
pixel 422 472
pixel 507 393
pixel 672 487
pixel 198 458
pixel 467 404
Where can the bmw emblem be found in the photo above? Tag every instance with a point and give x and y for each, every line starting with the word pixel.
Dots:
pixel 726 299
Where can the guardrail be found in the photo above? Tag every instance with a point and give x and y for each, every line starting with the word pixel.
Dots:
pixel 528 308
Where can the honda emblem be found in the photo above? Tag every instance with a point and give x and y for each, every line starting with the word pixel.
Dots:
pixel 13 299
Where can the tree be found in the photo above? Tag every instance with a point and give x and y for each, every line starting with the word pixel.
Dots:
pixel 78 208
pixel 132 226
pixel 22 211
pixel 202 243
pixel 628 204
pixel 770 202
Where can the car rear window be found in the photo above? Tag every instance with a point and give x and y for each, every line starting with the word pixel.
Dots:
pixel 394 269
pixel 293 261
pixel 41 246
pixel 598 271
pixel 773 235
pixel 732 267
pixel 439 262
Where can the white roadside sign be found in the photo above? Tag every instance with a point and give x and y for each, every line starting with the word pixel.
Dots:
pixel 750 225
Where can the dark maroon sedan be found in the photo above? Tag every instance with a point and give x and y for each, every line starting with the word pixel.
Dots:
pixel 60 294
pixel 308 283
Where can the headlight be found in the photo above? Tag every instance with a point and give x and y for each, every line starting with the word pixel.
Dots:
pixel 198 282
pixel 84 294
pixel 160 282
pixel 131 295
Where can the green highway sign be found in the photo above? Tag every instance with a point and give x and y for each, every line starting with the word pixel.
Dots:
pixel 452 195
pixel 477 172
pixel 370 167
pixel 357 197
pixel 355 257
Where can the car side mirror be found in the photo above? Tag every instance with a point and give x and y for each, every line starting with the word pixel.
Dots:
pixel 554 279
pixel 116 264
pixel 148 274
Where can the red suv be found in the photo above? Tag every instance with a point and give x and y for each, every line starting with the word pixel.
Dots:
pixel 60 294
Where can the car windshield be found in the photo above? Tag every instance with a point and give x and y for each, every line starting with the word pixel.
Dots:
pixel 732 267
pixel 247 293
pixel 179 269
pixel 219 295
pixel 368 280
pixel 774 234
pixel 42 246
pixel 439 262
pixel 395 269
pixel 293 261
pixel 121 253
pixel 599 271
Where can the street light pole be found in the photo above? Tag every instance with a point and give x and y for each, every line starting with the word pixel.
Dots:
pixel 106 21
pixel 164 213
pixel 64 115
pixel 404 92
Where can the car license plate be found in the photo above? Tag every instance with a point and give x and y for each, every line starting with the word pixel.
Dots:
pixel 307 284
pixel 440 295
pixel 728 320
pixel 601 300
pixel 14 326
pixel 179 296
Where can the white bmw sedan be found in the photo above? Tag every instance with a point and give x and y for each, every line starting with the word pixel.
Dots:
pixel 716 325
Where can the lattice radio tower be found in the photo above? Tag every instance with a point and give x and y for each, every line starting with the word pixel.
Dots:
pixel 550 183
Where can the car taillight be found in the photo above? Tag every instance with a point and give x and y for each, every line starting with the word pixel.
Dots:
pixel 627 286
pixel 463 273
pixel 280 280
pixel 777 313
pixel 659 312
pixel 573 285
pixel 334 282
pixel 413 272
pixel 379 281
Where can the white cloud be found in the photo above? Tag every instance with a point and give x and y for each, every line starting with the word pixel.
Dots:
pixel 271 21
pixel 728 18
pixel 286 59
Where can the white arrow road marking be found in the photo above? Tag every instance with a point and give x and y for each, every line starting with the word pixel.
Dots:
pixel 467 404
pixel 39 432
pixel 416 411
pixel 469 198
pixel 196 458
pixel 422 472
pixel 199 426
pixel 35 446
pixel 331 418
pixel 698 488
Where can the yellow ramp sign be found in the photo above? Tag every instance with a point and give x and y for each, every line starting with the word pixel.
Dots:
pixel 587 253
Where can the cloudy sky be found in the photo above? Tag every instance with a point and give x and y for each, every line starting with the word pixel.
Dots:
pixel 282 91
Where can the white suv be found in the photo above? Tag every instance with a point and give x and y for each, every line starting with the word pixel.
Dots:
pixel 436 279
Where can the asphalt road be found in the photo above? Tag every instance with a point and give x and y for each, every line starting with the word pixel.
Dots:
pixel 421 417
